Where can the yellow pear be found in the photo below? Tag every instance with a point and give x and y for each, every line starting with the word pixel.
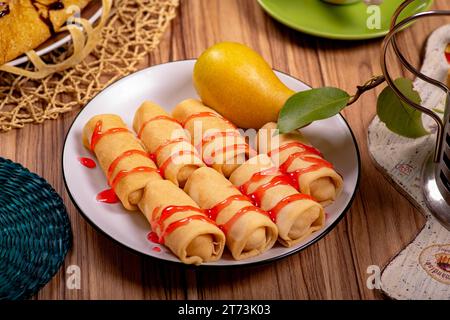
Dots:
pixel 238 83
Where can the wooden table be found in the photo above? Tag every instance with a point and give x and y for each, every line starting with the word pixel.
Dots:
pixel 379 224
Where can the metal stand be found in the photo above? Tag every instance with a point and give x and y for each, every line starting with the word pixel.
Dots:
pixel 436 173
pixel 434 199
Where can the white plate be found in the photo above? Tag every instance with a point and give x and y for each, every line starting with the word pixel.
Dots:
pixel 167 85
pixel 54 43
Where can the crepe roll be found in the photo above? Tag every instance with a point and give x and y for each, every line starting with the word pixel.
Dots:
pixel 249 230
pixel 125 162
pixel 219 142
pixel 168 143
pixel 295 156
pixel 296 215
pixel 180 224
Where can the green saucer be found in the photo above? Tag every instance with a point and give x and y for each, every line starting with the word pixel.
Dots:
pixel 346 22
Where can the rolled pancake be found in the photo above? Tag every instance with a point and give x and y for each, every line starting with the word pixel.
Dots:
pixel 186 231
pixel 168 142
pixel 220 143
pixel 313 175
pixel 296 216
pixel 113 146
pixel 249 231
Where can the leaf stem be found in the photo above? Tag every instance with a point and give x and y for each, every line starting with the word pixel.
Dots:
pixel 369 85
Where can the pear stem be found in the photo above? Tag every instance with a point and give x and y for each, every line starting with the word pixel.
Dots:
pixel 369 85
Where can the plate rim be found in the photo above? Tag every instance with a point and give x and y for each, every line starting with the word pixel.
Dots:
pixel 327 35
pixel 209 266
pixel 24 58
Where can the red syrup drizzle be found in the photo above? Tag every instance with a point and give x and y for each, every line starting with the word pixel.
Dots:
pixel 229 224
pixel 169 160
pixel 257 195
pixel 124 155
pixel 98 134
pixel 156 249
pixel 235 147
pixel 207 115
pixel 168 143
pixel 214 136
pixel 87 162
pixel 257 177
pixel 316 164
pixel 295 144
pixel 218 208
pixel 285 201
pixel 161 117
pixel 124 173
pixel 307 154
pixel 168 212
pixel 204 215
pixel 154 155
pixel 109 196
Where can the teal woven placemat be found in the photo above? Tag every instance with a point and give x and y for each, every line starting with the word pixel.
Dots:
pixel 35 232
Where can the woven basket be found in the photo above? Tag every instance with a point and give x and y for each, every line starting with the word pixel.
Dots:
pixel 35 232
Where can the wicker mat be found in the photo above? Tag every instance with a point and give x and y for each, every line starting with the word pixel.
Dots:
pixel 133 29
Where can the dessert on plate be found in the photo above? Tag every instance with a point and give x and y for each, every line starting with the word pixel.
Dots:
pixel 167 142
pixel 203 188
pixel 296 215
pixel 26 24
pixel 249 230
pixel 175 219
pixel 296 157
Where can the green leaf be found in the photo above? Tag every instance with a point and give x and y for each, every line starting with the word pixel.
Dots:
pixel 399 117
pixel 307 106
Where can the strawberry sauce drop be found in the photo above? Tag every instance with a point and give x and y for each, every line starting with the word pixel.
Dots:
pixel 156 249
pixel 153 237
pixel 107 196
pixel 87 162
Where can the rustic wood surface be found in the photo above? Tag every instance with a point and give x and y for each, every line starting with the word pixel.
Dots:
pixel 379 224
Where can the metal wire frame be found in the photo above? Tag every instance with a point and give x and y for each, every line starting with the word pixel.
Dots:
pixel 391 39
